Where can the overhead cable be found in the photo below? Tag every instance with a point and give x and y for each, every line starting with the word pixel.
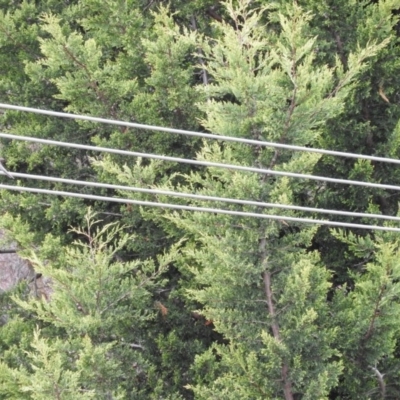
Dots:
pixel 198 134
pixel 199 209
pixel 201 163
pixel 203 197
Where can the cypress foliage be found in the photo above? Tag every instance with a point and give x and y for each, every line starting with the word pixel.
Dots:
pixel 194 305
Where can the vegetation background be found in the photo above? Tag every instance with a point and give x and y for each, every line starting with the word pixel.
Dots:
pixel 150 303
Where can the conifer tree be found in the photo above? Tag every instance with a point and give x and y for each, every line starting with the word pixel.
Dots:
pixel 91 333
pixel 261 285
pixel 104 59
pixel 292 310
pixel 96 58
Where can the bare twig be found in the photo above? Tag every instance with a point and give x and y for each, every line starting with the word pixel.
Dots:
pixel 135 346
pixel 382 383
pixel 287 388
pixel 149 4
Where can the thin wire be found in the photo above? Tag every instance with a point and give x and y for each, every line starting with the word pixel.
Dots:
pixel 198 134
pixel 203 197
pixel 202 163
pixel 199 209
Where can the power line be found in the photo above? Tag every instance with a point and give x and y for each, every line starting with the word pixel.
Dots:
pixel 201 163
pixel 203 197
pixel 199 209
pixel 198 134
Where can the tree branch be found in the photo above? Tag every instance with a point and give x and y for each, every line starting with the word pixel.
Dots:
pixel 135 346
pixel 287 388
pixel 201 61
pixel 382 383
pixel 92 83
pixel 211 12
pixel 375 314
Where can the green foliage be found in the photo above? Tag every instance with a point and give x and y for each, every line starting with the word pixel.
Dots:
pixel 77 65
pixel 255 280
pixel 51 378
pixel 188 305
pixel 371 343
pixel 97 311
